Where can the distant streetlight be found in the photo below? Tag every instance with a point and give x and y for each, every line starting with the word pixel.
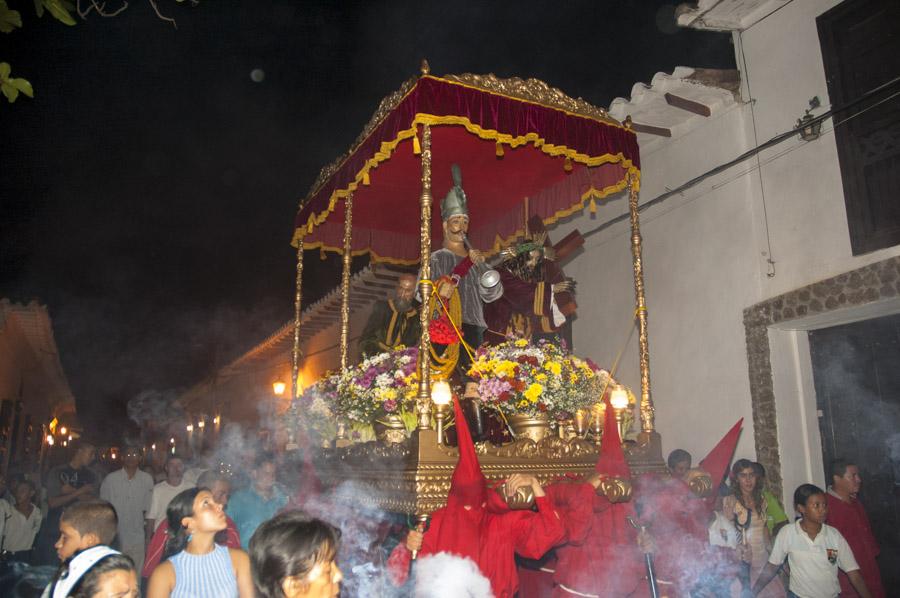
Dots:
pixel 279 387
pixel 62 431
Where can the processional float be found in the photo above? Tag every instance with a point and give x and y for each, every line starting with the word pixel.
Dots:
pixel 514 139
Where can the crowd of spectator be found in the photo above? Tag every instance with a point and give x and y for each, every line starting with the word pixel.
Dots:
pixel 201 531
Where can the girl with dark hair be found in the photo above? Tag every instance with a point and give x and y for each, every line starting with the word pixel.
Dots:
pixel 194 564
pixel 814 551
pixel 293 556
pixel 746 508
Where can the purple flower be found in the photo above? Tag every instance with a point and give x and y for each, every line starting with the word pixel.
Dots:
pixel 390 405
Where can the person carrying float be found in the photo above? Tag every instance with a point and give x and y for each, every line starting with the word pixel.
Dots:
pixel 477 524
pixel 601 555
pixel 678 513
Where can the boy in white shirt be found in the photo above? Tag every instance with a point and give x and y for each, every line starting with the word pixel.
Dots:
pixel 814 551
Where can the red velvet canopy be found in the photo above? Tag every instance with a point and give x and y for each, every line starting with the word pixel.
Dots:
pixel 559 153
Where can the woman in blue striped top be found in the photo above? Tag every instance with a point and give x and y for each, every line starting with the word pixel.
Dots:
pixel 195 566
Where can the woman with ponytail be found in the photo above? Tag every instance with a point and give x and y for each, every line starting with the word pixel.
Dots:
pixel 194 565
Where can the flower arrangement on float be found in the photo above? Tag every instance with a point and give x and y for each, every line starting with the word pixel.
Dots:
pixel 539 380
pixel 379 390
pixel 384 384
pixel 313 409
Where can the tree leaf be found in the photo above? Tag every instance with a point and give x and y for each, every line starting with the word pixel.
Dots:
pixel 9 91
pixel 9 19
pixel 5 69
pixel 59 12
pixel 23 85
pixel 39 7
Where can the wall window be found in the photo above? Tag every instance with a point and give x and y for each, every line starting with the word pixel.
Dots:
pixel 861 51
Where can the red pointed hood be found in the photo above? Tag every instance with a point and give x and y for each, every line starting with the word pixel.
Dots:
pixel 468 486
pixel 716 462
pixel 612 459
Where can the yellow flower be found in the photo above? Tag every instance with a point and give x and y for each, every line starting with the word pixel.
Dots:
pixel 533 392
pixel 505 368
pixel 521 343
pixel 573 377
pixel 541 377
pixel 522 404
pixel 553 367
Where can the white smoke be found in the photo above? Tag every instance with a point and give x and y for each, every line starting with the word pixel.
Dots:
pixel 443 575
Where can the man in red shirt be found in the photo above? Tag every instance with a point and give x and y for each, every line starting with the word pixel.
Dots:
pixel 477 523
pixel 848 516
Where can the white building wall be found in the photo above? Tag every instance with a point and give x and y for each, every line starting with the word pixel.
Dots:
pixel 706 252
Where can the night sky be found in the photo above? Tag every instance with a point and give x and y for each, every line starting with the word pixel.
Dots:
pixel 147 191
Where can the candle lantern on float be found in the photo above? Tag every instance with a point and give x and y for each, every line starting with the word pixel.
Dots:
pixel 619 400
pixel 441 396
pixel 584 155
pixel 278 387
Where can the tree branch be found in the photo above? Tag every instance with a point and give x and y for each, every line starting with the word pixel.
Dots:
pixel 99 7
pixel 160 15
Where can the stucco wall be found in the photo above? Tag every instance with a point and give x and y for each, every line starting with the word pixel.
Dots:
pixel 706 251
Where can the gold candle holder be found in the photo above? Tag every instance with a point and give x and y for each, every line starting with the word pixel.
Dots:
pixel 598 412
pixel 618 398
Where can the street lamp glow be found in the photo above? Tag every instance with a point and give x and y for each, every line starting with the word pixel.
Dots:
pixel 279 387
pixel 189 427
pixel 50 439
pixel 153 447
pixel 62 431
pixel 201 424
pixel 172 440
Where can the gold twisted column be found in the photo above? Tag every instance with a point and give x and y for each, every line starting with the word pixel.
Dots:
pixel 298 298
pixel 345 279
pixel 647 416
pixel 423 367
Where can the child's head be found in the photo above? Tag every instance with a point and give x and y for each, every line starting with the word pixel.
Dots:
pixel 809 501
pixel 84 525
pixel 96 572
pixel 292 555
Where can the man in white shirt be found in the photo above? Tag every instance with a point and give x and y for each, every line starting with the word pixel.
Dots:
pixel 129 490
pixel 19 523
pixel 164 492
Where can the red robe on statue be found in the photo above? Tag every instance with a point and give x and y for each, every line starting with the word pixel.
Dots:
pixel 849 518
pixel 601 555
pixel 477 524
pixel 522 311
